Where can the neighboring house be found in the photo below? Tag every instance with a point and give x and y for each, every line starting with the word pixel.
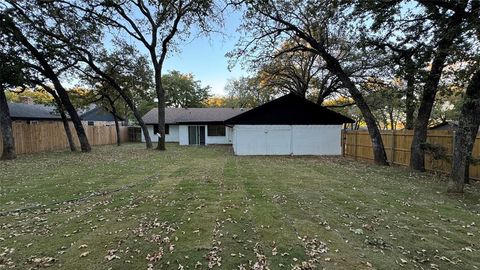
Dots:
pixel 33 113
pixel 289 125
pixel 447 125
pixel 98 116
pixel 193 126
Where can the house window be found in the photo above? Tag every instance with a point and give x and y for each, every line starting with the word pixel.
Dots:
pixel 216 130
pixel 167 129
pixel 91 123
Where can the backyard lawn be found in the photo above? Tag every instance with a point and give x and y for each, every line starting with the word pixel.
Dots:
pixel 201 207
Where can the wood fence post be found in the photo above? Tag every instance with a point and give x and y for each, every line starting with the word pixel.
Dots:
pixel 343 141
pixel 356 143
pixel 394 145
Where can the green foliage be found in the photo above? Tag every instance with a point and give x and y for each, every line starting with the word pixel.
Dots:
pixel 183 91
pixel 247 92
pixel 131 71
pixel 38 96
pixel 12 68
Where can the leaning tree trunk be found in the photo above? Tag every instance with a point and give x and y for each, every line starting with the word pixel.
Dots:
pixel 77 122
pixel 8 152
pixel 48 72
pixel 68 132
pixel 417 154
pixel 66 125
pixel 115 118
pixel 89 60
pixel 379 154
pixel 468 124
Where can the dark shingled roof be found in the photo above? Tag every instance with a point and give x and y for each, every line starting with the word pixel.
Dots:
pixel 290 109
pixel 447 125
pixel 22 111
pixel 98 114
pixel 192 115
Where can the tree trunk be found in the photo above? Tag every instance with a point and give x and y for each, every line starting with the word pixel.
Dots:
pixel 410 95
pixel 117 129
pixel 48 72
pixel 473 136
pixel 391 119
pixel 66 125
pixel 468 124
pixel 117 126
pixel 380 156
pixel 68 132
pixel 161 108
pixel 77 122
pixel 113 111
pixel 124 95
pixel 8 152
pixel 417 155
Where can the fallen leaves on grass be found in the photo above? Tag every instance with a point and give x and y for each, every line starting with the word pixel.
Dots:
pixel 42 262
pixel 314 249
pixel 155 257
pixel 261 263
pixel 111 255
pixel 84 254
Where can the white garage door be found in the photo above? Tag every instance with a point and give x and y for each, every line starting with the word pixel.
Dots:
pixel 287 140
pixel 278 140
pixel 249 141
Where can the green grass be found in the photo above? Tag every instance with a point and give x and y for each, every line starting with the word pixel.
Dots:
pixel 195 206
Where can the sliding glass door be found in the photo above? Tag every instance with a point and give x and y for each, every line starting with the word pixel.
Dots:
pixel 196 135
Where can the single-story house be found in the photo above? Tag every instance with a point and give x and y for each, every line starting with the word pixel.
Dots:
pixel 193 126
pixel 289 125
pixel 98 116
pixel 33 113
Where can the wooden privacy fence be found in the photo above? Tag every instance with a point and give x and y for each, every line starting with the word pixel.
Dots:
pixel 357 145
pixel 49 136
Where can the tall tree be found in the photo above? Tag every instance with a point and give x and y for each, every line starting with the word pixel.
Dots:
pixel 154 25
pixel 247 92
pixel 469 119
pixel 125 71
pixel 432 30
pixel 400 34
pixel 12 74
pixel 450 28
pixel 61 111
pixel 317 27
pixel 289 70
pixel 21 20
pixel 182 90
pixel 468 124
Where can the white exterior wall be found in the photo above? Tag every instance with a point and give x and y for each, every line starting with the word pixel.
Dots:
pixel 183 135
pixel 287 140
pixel 172 136
pixel 227 139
